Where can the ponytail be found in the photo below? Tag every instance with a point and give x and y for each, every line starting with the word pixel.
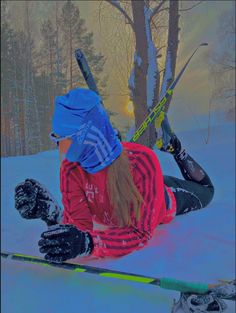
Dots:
pixel 123 193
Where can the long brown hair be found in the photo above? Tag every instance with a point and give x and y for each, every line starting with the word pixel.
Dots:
pixel 122 191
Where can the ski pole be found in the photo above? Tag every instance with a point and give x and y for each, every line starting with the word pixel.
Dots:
pixel 85 70
pixel 88 76
pixel 166 283
pixel 161 104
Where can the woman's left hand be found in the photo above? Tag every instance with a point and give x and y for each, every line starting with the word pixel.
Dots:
pixel 63 242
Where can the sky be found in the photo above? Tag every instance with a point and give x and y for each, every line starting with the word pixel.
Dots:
pixel 190 104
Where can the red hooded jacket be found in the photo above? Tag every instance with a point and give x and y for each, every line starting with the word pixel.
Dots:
pixel 86 201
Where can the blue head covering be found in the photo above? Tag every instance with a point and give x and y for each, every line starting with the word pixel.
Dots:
pixel 95 144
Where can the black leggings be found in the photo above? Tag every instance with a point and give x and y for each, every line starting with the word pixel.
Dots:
pixel 193 193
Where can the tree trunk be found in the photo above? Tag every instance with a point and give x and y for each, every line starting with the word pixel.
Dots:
pixel 172 48
pixel 140 70
pixel 32 127
pixel 58 65
pixel 70 56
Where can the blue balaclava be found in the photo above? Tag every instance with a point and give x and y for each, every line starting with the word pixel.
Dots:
pixel 95 144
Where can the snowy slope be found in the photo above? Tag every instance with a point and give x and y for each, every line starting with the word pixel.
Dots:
pixel 196 247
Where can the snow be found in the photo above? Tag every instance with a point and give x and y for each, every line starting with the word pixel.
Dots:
pixel 137 60
pixel 198 246
pixel 152 63
pixel 167 76
pixel 131 81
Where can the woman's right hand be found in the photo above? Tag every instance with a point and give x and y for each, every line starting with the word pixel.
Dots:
pixel 32 201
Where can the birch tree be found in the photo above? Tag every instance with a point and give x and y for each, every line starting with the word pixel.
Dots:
pixel 147 81
pixel 144 82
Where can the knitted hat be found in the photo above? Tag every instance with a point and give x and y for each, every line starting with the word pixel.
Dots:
pixel 80 115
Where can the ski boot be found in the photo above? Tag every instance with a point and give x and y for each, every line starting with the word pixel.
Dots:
pixel 166 139
pixel 197 303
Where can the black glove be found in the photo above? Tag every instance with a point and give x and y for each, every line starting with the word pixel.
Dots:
pixel 32 200
pixel 63 242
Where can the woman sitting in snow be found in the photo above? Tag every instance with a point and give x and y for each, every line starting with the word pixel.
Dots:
pixel 118 185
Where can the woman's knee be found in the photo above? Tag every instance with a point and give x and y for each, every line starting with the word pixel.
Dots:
pixel 209 194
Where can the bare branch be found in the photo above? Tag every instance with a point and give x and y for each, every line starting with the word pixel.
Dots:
pixel 231 96
pixel 164 9
pixel 222 71
pixel 117 5
pixel 99 16
pixel 227 66
pixel 119 94
pixel 157 8
pixel 152 22
pixel 156 12
pixel 192 6
pixel 158 49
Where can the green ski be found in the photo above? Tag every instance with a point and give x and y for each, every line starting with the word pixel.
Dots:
pixel 158 110
pixel 165 283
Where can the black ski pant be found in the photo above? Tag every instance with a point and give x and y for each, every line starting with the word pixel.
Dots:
pixel 195 191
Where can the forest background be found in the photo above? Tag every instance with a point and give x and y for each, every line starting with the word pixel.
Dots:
pixel 38 39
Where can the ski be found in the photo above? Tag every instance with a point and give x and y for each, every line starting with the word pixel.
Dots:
pixel 158 109
pixel 166 283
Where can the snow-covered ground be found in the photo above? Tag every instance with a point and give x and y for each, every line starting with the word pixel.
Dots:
pixel 199 246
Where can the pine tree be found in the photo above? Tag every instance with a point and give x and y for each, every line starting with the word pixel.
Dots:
pixel 32 125
pixel 6 80
pixel 50 80
pixel 46 80
pixel 12 134
pixel 75 35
